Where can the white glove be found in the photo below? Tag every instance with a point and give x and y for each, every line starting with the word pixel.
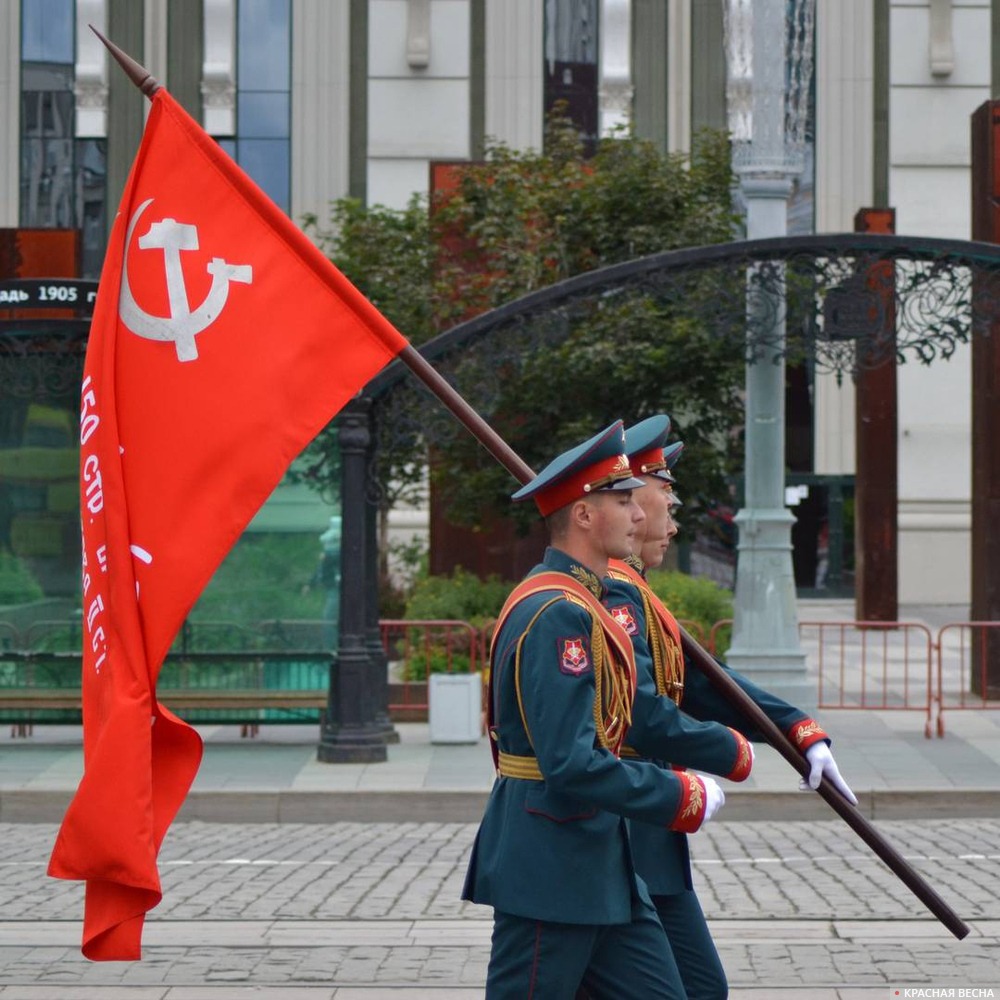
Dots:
pixel 823 765
pixel 715 797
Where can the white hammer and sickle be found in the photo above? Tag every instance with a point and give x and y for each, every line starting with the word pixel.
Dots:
pixel 182 325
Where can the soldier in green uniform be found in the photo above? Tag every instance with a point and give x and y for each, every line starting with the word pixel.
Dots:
pixel 661 855
pixel 552 854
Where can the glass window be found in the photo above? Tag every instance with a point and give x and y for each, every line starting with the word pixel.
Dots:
pixel 262 116
pixel 47 181
pixel 62 178
pixel 47 30
pixel 264 37
pixel 571 69
pixel 266 161
pixel 263 96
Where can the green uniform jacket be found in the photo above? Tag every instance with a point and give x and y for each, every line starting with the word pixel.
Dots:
pixel 557 849
pixel 661 856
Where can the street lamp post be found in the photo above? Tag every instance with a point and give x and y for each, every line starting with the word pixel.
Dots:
pixel 769 63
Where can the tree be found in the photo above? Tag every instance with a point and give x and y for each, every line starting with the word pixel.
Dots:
pixel 523 220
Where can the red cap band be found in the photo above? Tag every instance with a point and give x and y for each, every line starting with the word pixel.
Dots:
pixel 576 486
pixel 651 460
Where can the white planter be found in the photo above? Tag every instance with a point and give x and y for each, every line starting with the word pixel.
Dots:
pixel 455 707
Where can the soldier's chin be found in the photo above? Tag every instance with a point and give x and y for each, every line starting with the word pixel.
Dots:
pixel 657 553
pixel 623 551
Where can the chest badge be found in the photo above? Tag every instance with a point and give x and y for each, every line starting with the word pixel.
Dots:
pixel 574 657
pixel 623 615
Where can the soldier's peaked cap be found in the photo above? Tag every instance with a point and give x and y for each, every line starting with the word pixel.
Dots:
pixel 598 464
pixel 647 450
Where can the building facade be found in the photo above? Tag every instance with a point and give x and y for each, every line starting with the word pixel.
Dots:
pixel 318 99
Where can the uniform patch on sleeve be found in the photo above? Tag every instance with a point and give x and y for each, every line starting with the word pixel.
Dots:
pixel 573 657
pixel 623 615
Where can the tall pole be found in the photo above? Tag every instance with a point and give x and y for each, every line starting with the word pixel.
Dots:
pixel 765 641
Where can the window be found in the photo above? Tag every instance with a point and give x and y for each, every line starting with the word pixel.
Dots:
pixel 62 177
pixel 571 62
pixel 262 144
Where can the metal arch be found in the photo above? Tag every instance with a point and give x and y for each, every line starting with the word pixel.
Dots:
pixel 982 259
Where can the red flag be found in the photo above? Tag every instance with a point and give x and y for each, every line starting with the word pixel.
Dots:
pixel 222 343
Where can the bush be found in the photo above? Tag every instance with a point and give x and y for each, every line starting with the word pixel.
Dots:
pixel 693 598
pixel 462 597
pixel 17 583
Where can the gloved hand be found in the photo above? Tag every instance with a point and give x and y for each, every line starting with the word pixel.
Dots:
pixel 715 797
pixel 823 765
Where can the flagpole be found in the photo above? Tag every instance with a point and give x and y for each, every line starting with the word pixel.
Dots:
pixel 716 675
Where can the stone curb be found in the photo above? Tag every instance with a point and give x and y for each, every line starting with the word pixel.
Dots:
pixel 463 806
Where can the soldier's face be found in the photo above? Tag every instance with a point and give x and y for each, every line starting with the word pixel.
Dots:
pixel 618 518
pixel 655 500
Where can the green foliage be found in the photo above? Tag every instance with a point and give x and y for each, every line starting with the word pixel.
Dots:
pixel 523 220
pixel 692 598
pixel 462 597
pixel 17 583
pixel 263 578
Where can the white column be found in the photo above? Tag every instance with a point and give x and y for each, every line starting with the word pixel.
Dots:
pixel 679 76
pixel 90 85
pixel 615 89
pixel 844 168
pixel 154 39
pixel 320 104
pixel 514 84
pixel 844 112
pixel 10 108
pixel 218 73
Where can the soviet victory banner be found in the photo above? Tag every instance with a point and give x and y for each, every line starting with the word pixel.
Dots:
pixel 222 342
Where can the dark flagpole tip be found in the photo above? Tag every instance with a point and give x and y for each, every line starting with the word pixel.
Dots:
pixel 139 75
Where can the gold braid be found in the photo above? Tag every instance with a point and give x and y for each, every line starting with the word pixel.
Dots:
pixel 668 661
pixel 613 690
pixel 598 652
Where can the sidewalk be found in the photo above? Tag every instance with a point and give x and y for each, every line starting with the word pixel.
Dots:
pixel 893 769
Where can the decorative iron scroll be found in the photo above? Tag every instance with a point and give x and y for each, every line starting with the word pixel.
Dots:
pixel 841 298
pixel 42 359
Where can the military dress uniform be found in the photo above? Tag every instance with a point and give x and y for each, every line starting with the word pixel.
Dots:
pixel 661 856
pixel 552 854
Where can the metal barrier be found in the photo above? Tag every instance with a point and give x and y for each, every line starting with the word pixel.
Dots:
pixel 873 665
pixel 888 666
pixel 967 652
pixel 713 636
pixel 416 649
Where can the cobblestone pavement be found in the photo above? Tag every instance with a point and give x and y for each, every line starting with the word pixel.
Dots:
pixel 365 905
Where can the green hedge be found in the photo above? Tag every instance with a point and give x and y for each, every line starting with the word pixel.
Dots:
pixel 694 598
pixel 463 596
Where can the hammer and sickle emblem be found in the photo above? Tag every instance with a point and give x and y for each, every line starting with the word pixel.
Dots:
pixel 183 324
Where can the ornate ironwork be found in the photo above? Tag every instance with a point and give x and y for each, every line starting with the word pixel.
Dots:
pixel 836 292
pixel 42 359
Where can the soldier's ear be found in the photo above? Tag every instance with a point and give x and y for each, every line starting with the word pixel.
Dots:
pixel 581 515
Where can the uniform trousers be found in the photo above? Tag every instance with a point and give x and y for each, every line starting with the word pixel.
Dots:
pixel 542 960
pixel 693 948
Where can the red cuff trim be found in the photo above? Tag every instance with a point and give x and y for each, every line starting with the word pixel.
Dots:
pixel 744 758
pixel 691 811
pixel 805 733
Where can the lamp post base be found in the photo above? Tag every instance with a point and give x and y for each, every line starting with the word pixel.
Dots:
pixel 765 644
pixel 363 744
